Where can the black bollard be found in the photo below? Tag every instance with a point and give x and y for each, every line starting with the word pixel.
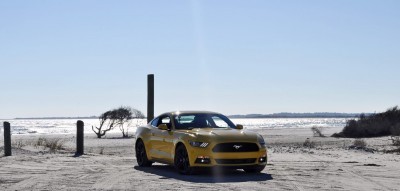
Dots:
pixel 79 138
pixel 150 97
pixel 7 139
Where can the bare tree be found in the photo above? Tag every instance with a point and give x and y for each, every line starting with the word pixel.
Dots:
pixel 138 116
pixel 124 117
pixel 105 118
pixel 121 117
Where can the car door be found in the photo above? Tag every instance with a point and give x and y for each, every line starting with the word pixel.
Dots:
pixel 154 141
pixel 168 142
pixel 160 144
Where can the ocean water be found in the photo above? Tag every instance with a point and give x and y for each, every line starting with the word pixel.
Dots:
pixel 68 126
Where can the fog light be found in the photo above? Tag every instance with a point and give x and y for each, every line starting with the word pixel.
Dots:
pixel 262 159
pixel 203 160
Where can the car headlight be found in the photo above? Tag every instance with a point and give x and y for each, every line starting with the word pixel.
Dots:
pixel 198 144
pixel 261 141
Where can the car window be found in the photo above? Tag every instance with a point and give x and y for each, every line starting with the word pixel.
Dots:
pixel 201 120
pixel 219 122
pixel 185 119
pixel 154 122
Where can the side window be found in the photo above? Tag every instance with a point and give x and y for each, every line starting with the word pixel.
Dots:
pixel 184 119
pixel 154 122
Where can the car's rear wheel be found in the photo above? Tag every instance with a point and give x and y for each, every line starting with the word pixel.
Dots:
pixel 254 169
pixel 141 156
pixel 181 161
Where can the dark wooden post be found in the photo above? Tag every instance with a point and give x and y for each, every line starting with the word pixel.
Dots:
pixel 7 139
pixel 79 137
pixel 150 97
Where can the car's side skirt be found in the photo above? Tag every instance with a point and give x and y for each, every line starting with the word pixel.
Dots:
pixel 163 161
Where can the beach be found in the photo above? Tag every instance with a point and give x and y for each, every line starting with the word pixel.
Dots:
pixel 110 164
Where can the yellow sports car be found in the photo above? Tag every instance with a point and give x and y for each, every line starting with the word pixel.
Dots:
pixel 194 139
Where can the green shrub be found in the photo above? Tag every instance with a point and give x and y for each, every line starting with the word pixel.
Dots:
pixel 375 125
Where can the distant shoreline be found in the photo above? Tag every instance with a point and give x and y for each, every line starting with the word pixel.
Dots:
pixel 30 118
pixel 301 115
pixel 247 116
pixel 272 117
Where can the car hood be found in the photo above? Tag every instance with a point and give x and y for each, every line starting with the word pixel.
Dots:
pixel 224 134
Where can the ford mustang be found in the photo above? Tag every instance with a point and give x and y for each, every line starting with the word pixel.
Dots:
pixel 194 139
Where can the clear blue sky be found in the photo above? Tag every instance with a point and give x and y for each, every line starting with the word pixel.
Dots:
pixel 80 58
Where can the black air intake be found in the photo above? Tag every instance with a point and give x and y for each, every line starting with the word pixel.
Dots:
pixel 235 161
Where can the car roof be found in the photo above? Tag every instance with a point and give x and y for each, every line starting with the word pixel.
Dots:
pixel 189 112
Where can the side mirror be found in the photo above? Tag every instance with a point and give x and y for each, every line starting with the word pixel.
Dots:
pixel 163 127
pixel 239 126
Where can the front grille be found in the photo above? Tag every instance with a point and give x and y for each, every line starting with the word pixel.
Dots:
pixel 235 161
pixel 235 147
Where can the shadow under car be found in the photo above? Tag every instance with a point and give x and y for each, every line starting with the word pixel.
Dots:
pixel 206 175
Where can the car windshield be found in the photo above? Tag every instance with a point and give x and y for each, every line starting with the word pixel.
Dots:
pixel 202 120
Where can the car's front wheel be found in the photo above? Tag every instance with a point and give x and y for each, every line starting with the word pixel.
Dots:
pixel 141 156
pixel 254 169
pixel 181 161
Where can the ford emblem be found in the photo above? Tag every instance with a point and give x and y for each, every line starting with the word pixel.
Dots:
pixel 237 146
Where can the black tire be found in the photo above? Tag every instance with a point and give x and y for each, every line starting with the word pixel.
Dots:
pixel 181 161
pixel 254 169
pixel 141 155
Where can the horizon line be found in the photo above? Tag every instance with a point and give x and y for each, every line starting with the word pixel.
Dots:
pixel 233 115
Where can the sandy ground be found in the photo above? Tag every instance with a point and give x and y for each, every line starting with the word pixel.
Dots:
pixel 110 164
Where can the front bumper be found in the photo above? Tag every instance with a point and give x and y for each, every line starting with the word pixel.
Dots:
pixel 205 157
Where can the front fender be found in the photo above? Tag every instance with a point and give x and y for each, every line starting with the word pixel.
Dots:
pixel 143 133
pixel 181 138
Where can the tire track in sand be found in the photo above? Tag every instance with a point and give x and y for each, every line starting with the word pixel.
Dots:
pixel 352 172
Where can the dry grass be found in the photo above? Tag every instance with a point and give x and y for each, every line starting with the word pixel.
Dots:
pixel 40 142
pixel 309 144
pixel 317 131
pixel 52 144
pixel 55 144
pixel 18 144
pixel 395 140
pixel 359 144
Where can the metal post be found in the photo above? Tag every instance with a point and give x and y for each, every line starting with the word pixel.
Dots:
pixel 79 137
pixel 7 139
pixel 150 97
